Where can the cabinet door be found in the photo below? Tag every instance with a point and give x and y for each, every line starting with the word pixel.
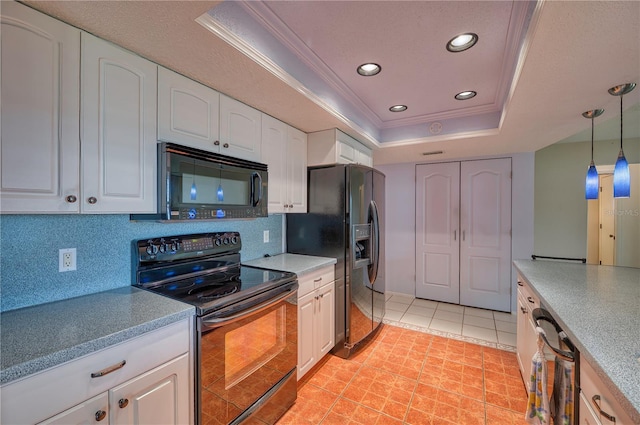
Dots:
pixel 345 153
pixel 437 235
pixel 118 129
pixel 40 106
pixel 325 319
pixel 188 112
pixel 485 223
pixel 274 148
pixel 92 411
pixel 363 158
pixel 522 344
pixel 306 350
pixel 240 130
pixel 160 396
pixel 296 171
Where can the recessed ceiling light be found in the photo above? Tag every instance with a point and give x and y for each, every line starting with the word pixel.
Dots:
pixel 462 42
pixel 369 69
pixel 398 108
pixel 464 95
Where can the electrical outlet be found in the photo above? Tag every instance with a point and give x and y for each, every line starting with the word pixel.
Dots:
pixel 265 236
pixel 67 259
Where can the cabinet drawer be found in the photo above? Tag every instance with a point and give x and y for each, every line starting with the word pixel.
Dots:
pixel 44 394
pixel 532 300
pixel 591 385
pixel 317 278
pixel 587 415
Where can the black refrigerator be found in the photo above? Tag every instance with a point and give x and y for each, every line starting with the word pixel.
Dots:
pixel 346 221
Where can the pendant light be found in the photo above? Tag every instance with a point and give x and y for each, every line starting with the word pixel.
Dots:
pixel 621 178
pixel 592 183
pixel 194 193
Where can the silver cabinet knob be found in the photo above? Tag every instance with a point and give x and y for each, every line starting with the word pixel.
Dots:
pixel 71 199
pixel 100 415
pixel 226 145
pixel 92 200
pixel 123 402
pixel 217 143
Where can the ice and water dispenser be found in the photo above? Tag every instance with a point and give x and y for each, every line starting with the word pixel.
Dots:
pixel 361 245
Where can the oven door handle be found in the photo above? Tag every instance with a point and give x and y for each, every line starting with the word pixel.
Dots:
pixel 222 321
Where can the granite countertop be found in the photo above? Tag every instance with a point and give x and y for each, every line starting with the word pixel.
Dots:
pixel 599 309
pixel 36 338
pixel 295 263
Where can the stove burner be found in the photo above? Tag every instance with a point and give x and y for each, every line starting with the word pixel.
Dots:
pixel 207 294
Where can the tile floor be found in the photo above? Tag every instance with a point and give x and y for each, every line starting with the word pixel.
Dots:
pixel 404 376
pixel 484 327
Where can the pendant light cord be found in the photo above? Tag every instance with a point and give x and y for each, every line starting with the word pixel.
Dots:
pixel 591 139
pixel 621 96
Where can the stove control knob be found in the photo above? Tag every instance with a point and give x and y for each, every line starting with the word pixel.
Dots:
pixel 225 241
pixel 174 246
pixel 234 240
pixel 149 249
pixel 218 242
pixel 163 248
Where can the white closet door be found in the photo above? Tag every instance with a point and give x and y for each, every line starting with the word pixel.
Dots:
pixel 437 235
pixel 485 223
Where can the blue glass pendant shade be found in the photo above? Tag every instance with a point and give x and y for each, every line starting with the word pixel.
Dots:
pixel 591 184
pixel 220 193
pixel 621 178
pixel 193 191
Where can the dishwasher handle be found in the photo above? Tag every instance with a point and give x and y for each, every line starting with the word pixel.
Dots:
pixel 539 314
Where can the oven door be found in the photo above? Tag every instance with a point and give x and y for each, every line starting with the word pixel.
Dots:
pixel 247 360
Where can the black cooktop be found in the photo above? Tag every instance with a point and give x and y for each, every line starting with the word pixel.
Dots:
pixel 203 270
pixel 220 288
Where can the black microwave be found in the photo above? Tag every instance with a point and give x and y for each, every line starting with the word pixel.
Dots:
pixel 198 185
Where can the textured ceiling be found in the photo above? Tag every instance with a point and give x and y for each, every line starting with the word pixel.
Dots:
pixel 574 51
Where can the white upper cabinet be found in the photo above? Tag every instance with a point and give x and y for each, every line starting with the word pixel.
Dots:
pixel 195 115
pixel 296 170
pixel 40 106
pixel 188 112
pixel 118 129
pixel 285 152
pixel 335 147
pixel 240 130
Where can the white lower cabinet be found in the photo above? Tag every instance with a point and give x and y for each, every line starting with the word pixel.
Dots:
pixel 92 411
pixel 598 406
pixel 145 380
pixel 316 318
pixel 526 336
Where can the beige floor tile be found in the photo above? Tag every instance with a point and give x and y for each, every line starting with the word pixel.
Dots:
pixel 393 315
pixel 451 307
pixel 446 326
pixel 401 298
pixel 478 312
pixel 448 315
pixel 422 311
pixel 480 333
pixel 425 303
pixel 416 319
pixel 506 326
pixel 507 338
pixel 481 322
pixel 504 317
pixel 390 305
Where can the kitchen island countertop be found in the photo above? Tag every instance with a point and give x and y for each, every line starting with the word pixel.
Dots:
pixel 295 263
pixel 599 309
pixel 39 337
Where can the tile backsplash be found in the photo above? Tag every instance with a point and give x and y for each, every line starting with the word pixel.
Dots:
pixel 29 247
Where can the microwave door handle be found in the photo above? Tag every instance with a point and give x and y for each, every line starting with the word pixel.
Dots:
pixel 255 202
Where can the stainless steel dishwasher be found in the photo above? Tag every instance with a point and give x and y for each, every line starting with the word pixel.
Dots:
pixel 563 403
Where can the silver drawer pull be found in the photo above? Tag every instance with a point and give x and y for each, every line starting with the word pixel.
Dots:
pixel 109 369
pixel 317 280
pixel 595 399
pixel 530 300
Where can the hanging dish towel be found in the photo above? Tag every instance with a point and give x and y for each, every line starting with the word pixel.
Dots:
pixel 538 404
pixel 563 392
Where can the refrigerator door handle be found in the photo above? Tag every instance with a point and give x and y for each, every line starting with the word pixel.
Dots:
pixel 375 241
